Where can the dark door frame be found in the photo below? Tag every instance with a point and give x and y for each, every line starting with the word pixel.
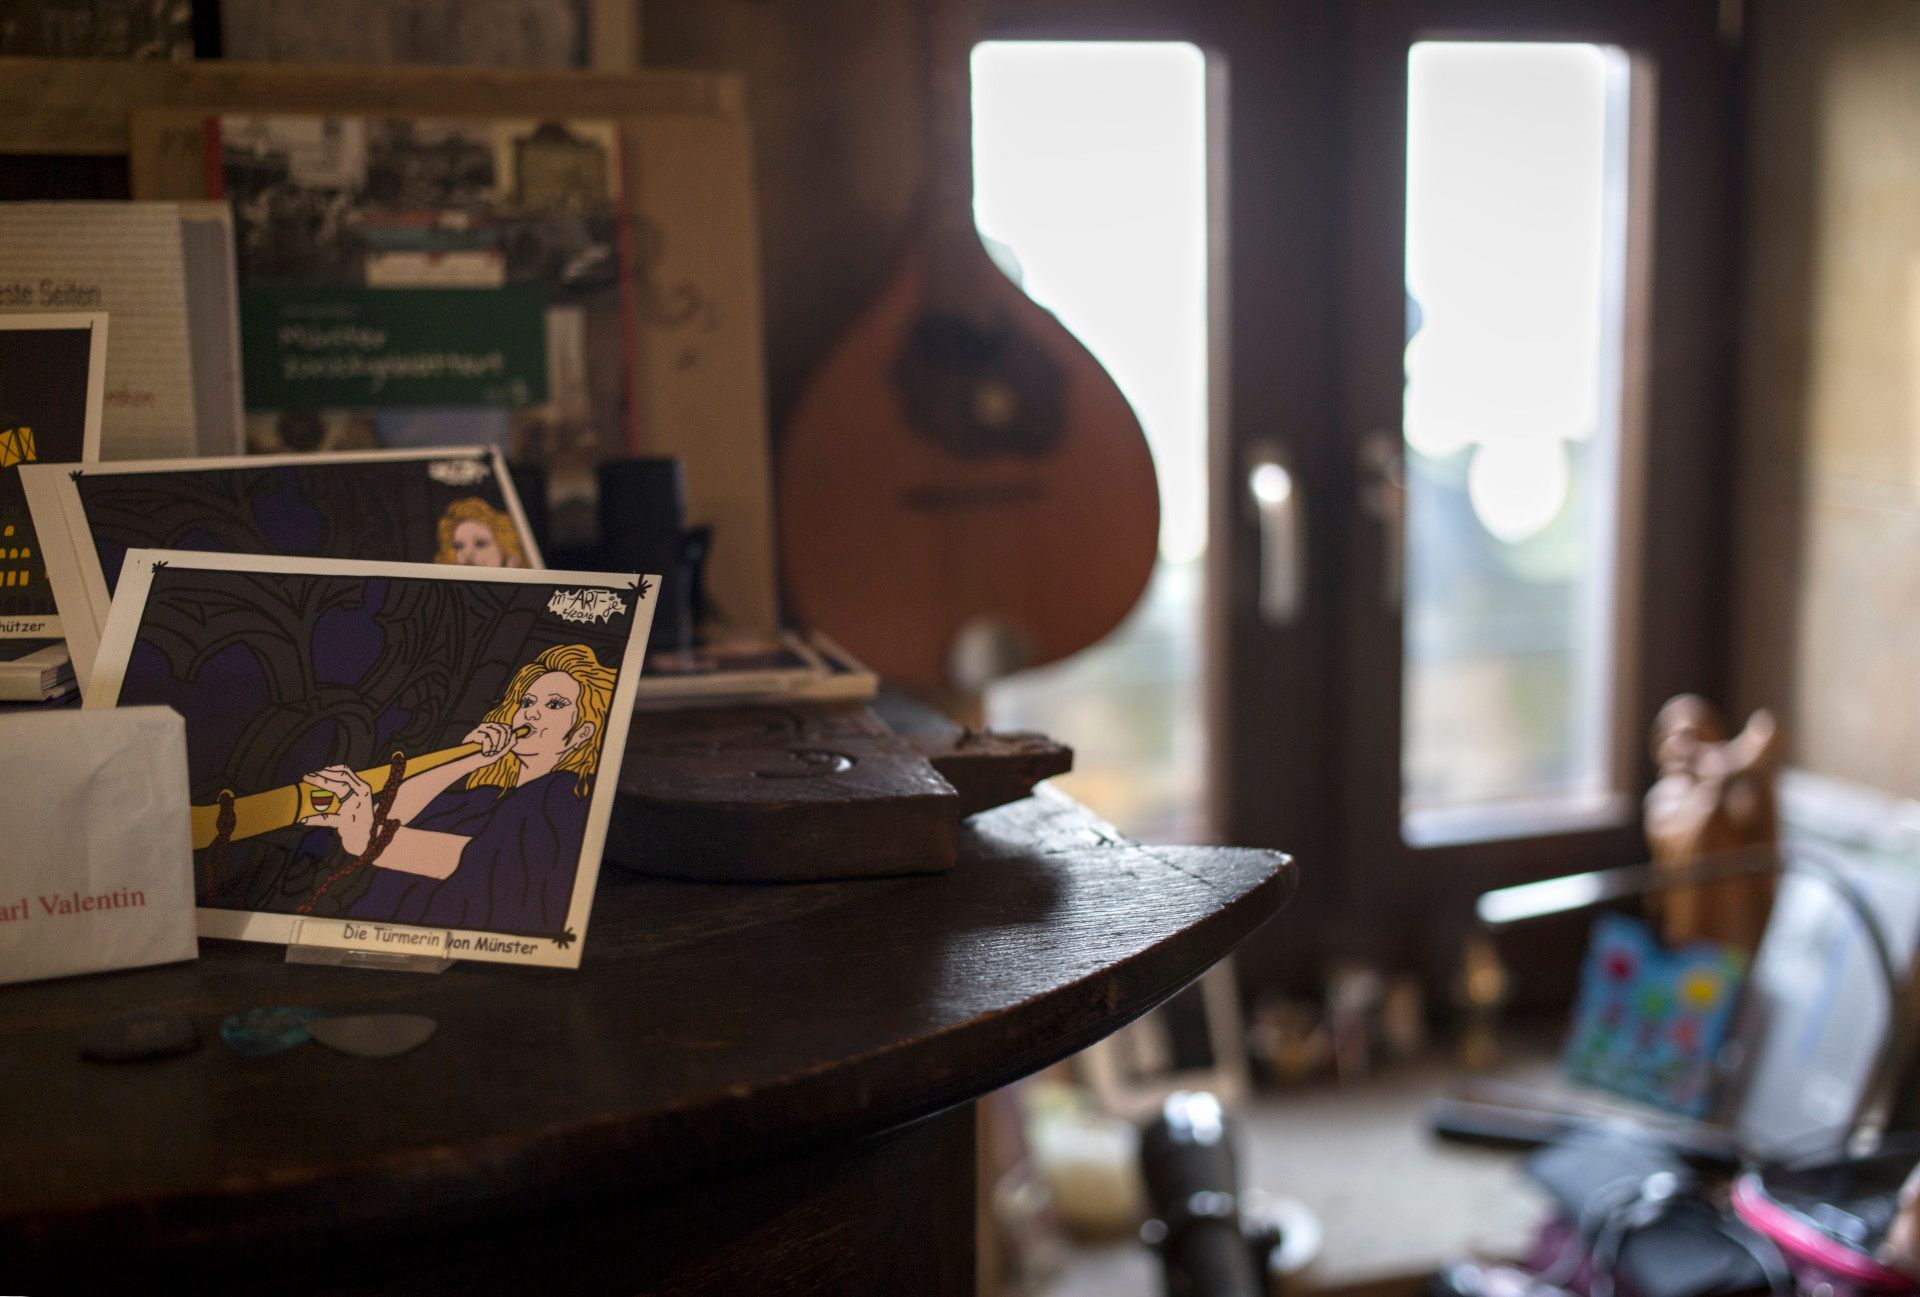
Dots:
pixel 1309 316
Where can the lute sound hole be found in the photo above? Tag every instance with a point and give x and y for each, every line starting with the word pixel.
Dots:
pixel 977 392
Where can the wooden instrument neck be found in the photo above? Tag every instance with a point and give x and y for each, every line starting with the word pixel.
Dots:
pixel 948 32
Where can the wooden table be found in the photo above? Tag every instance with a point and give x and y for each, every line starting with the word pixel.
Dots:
pixel 742 1090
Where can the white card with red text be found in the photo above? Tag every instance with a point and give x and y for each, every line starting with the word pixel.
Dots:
pixel 96 864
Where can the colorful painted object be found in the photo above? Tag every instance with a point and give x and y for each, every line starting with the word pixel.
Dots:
pixel 260 1032
pixel 1650 1021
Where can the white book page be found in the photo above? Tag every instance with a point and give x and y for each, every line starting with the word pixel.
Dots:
pixel 124 259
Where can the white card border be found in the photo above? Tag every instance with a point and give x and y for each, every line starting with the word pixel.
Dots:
pixel 95 322
pixel 123 623
pixel 77 579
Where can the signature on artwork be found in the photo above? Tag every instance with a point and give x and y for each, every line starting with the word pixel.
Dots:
pixel 457 472
pixel 586 605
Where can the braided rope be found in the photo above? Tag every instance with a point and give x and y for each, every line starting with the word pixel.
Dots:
pixel 217 854
pixel 384 828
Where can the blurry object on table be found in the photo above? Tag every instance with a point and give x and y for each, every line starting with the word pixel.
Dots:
pixel 1480 993
pixel 1403 1018
pixel 1714 794
pixel 1650 1021
pixel 1022 1246
pixel 643 528
pixel 1367 1018
pixel 1287 1038
pixel 1215 1237
pixel 1088 1160
pixel 1822 1026
pixel 1354 993
pixel 1901 1247
pixel 1843 1225
pixel 1629 1215
pixel 1195 1041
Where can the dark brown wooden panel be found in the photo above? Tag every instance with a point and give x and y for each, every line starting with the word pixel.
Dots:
pixel 778 794
pixel 826 1223
pixel 988 768
pixel 711 1029
pixel 80 106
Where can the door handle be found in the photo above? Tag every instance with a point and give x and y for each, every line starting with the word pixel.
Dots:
pixel 1273 491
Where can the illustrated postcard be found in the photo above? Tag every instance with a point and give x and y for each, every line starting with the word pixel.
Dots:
pixel 453 505
pixel 53 373
pixel 390 756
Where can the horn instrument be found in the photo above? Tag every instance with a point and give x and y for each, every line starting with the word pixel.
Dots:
pixel 258 813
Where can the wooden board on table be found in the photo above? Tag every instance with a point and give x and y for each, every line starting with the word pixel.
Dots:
pixel 988 768
pixel 811 791
pixel 778 794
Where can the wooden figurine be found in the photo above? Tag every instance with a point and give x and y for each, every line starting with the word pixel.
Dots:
pixel 1714 794
pixel 1900 1250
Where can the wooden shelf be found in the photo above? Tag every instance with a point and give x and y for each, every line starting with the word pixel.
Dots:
pixel 86 106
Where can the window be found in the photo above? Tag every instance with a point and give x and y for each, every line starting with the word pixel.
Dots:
pixel 1090 189
pixel 1516 236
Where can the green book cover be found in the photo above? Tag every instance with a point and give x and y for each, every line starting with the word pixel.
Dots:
pixel 317 347
pixel 412 282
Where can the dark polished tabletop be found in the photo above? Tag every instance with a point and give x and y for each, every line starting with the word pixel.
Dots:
pixel 709 1027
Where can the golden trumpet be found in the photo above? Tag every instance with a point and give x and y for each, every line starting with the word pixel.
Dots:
pixel 258 813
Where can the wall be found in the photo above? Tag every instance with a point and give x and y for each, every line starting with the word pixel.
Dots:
pixel 834 96
pixel 1828 596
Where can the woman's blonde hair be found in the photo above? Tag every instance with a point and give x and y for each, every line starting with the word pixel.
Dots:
pixel 474 509
pixel 596 697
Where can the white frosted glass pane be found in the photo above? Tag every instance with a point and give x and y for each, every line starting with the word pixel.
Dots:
pixel 1515 208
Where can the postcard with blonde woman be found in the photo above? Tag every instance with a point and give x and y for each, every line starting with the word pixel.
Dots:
pixel 388 748
pixel 453 505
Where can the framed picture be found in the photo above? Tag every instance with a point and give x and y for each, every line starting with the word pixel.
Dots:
pixel 387 752
pixel 453 506
pixel 53 374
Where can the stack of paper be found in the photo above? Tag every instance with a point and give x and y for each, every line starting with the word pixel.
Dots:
pixel 785 668
pixel 34 670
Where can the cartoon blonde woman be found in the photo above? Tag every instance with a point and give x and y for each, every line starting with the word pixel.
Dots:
pixel 491 841
pixel 475 533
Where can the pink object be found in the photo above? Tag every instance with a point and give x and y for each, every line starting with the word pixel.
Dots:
pixel 1808 1248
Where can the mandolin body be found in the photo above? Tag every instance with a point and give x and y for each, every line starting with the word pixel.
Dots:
pixel 962 466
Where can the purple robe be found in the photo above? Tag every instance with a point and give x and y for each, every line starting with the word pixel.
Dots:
pixel 515 876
